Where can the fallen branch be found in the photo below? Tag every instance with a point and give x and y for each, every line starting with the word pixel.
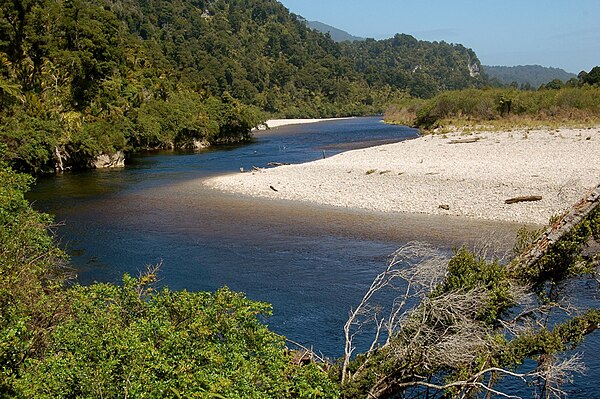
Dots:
pixel 528 198
pixel 554 232
pixel 464 141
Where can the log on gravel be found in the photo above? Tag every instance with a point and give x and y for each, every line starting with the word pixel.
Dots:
pixel 528 198
pixel 464 141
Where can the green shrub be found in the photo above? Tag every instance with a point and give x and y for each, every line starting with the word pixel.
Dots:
pixel 576 104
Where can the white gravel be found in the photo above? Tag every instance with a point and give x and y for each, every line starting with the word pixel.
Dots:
pixel 275 123
pixel 417 176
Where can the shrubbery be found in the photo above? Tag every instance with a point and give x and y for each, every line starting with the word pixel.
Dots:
pixel 131 340
pixel 472 106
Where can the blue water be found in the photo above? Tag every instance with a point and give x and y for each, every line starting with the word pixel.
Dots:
pixel 312 263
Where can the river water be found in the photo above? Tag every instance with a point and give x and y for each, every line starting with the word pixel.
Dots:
pixel 312 263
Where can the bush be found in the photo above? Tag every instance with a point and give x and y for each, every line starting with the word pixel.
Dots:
pixel 481 105
pixel 114 341
pixel 130 341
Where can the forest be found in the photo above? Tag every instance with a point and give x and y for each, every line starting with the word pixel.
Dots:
pixel 80 78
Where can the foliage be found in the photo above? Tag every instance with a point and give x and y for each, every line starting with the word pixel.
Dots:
pixel 163 74
pixel 564 259
pixel 590 78
pixel 131 341
pixel 419 68
pixel 480 106
pixel 482 322
pixel 31 276
pixel 115 341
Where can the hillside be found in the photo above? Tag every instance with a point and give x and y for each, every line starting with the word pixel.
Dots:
pixel 418 67
pixel 90 77
pixel 336 34
pixel 533 75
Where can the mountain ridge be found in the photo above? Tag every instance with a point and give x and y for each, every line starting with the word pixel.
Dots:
pixel 338 35
pixel 533 75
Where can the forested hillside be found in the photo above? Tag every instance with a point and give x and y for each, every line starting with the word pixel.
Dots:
pixel 527 76
pixel 421 68
pixel 80 78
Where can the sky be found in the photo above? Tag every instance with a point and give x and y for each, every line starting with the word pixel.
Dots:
pixel 554 33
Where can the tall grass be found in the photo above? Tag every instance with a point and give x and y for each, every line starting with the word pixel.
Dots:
pixel 569 106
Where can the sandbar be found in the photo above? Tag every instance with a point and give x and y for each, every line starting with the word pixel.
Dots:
pixel 454 174
pixel 275 123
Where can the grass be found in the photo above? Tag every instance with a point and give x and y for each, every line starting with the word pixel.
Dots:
pixel 475 110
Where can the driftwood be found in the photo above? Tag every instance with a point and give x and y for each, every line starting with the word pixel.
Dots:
pixel 464 141
pixel 273 164
pixel 528 198
pixel 558 229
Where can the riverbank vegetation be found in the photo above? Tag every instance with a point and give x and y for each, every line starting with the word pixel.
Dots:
pixel 474 326
pixel 81 78
pixel 576 103
pixel 59 340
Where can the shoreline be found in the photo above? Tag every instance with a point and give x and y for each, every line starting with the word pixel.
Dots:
pixel 443 175
pixel 275 123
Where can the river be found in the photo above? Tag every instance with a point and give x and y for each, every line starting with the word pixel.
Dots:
pixel 312 263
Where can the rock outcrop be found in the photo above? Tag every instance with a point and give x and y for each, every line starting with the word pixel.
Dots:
pixel 116 160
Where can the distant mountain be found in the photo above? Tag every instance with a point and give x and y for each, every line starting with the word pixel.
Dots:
pixel 535 75
pixel 336 34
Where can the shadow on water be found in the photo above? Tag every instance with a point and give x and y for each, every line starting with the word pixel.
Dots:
pixel 311 262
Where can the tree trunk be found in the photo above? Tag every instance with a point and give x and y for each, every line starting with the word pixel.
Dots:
pixel 558 229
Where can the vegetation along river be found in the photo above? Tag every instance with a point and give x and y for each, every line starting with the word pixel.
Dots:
pixel 313 263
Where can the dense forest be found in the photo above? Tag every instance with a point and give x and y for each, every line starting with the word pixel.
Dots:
pixel 81 78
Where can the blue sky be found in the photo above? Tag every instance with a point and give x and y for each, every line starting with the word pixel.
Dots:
pixel 557 33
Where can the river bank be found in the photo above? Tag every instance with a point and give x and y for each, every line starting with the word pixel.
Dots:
pixel 454 174
pixel 275 123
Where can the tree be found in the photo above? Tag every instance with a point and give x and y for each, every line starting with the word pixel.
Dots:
pixel 593 77
pixel 555 84
pixel 32 273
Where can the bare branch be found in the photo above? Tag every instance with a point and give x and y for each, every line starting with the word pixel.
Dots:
pixel 419 268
